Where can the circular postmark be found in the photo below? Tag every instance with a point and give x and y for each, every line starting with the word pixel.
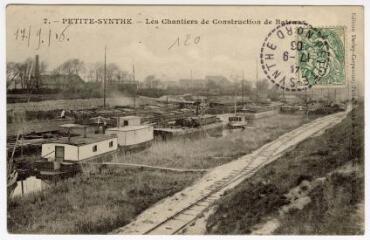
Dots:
pixel 295 56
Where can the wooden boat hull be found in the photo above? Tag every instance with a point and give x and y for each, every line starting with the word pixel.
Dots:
pixel 236 125
pixel 170 133
pixel 136 147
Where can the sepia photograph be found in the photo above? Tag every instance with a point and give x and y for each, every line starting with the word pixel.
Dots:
pixel 184 119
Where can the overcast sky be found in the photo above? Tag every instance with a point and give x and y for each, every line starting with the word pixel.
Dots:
pixel 222 49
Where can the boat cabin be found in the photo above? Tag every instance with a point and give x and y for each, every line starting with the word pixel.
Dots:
pixel 129 121
pixel 237 121
pixel 79 148
pixel 131 133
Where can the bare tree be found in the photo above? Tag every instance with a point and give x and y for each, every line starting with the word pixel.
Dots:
pixel 113 73
pixel 21 74
pixel 71 66
pixel 12 74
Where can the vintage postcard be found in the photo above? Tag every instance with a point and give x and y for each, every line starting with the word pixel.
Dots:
pixel 192 120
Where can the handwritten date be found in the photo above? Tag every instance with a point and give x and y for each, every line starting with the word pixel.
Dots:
pixel 41 37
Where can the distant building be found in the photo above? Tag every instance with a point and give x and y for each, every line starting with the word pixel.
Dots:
pixel 170 84
pixel 60 81
pixel 331 94
pixel 152 82
pixel 293 99
pixel 217 81
pixel 192 83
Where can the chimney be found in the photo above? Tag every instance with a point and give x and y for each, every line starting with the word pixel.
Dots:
pixel 37 72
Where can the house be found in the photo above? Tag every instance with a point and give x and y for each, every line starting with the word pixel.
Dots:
pixel 131 133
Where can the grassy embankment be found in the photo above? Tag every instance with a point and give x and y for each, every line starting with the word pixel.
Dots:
pixel 93 203
pixel 205 153
pixel 334 205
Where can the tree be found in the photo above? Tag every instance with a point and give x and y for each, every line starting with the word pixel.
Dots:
pixel 151 81
pixel 12 74
pixel 274 93
pixel 71 66
pixel 114 74
pixel 262 86
pixel 21 74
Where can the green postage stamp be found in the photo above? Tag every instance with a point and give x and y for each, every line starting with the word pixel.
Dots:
pixel 296 55
pixel 322 58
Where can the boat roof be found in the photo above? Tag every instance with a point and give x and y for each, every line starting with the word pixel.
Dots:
pixel 80 140
pixel 99 117
pixel 127 128
pixel 129 117
pixel 72 125
pixel 237 116
pixel 204 116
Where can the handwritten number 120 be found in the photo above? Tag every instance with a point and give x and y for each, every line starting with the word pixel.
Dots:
pixel 188 40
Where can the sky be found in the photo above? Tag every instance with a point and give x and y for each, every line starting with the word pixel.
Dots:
pixel 212 49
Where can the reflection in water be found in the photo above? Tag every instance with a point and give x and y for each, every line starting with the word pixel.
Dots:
pixel 30 185
pixel 228 131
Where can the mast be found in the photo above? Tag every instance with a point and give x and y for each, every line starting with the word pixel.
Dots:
pixel 105 72
pixel 37 72
pixel 306 101
pixel 235 102
pixel 257 79
pixel 11 160
pixel 243 89
pixel 133 77
pixel 328 96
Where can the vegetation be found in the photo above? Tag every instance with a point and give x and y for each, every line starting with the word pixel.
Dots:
pixel 93 203
pixel 262 195
pixel 23 79
pixel 71 91
pixel 334 209
pixel 337 206
pixel 210 152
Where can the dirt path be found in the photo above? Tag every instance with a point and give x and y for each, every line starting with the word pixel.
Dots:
pixel 174 214
pixel 144 166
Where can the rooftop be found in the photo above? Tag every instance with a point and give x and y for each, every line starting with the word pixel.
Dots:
pixel 128 128
pixel 203 116
pixel 130 117
pixel 72 125
pixel 80 140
